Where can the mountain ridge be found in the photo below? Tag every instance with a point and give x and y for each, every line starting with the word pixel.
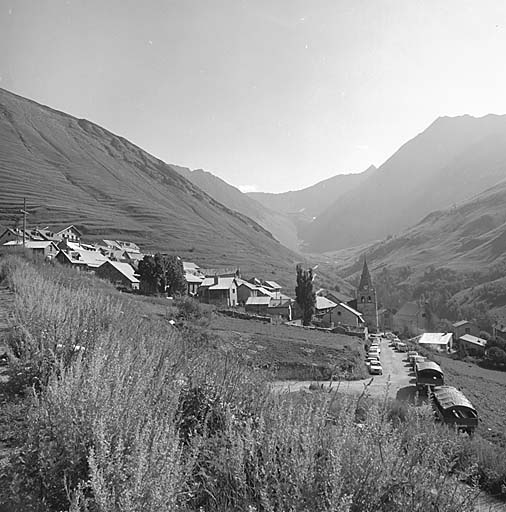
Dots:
pixel 74 171
pixel 452 160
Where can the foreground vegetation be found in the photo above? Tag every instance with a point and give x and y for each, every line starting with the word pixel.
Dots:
pixel 123 412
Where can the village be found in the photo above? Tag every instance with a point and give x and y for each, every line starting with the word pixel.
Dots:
pixel 117 261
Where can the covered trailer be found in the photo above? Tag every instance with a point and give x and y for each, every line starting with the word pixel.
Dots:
pixel 428 375
pixel 453 408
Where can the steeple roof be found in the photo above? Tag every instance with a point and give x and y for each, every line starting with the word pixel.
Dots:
pixel 365 279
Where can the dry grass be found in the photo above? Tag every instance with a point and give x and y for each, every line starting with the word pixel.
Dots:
pixel 142 420
pixel 292 353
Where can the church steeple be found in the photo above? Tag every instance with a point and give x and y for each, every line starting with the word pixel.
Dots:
pixel 366 298
pixel 365 279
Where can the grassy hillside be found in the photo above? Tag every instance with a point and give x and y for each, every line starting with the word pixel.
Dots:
pixel 279 224
pixel 73 171
pixel 453 160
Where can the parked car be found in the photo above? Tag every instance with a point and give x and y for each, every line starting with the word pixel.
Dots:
pixel 371 359
pixel 416 360
pixel 411 354
pixel 375 369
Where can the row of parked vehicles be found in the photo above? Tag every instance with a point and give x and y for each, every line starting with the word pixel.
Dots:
pixel 450 405
pixel 373 357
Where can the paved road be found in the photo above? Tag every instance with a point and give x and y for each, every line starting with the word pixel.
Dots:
pixel 397 379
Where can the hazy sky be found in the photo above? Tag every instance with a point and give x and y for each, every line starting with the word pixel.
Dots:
pixel 269 95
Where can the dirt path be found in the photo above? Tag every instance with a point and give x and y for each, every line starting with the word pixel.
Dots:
pixel 398 379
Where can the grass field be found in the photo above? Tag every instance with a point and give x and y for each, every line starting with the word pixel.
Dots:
pixel 293 352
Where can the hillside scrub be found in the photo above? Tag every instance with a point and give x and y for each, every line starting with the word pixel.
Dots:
pixel 141 420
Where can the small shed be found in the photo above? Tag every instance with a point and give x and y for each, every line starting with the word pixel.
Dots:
pixel 469 344
pixel 440 341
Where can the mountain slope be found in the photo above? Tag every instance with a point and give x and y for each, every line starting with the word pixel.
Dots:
pixel 452 160
pixel 468 238
pixel 279 224
pixel 73 171
pixel 312 201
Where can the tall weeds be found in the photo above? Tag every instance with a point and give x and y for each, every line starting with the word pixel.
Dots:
pixel 143 419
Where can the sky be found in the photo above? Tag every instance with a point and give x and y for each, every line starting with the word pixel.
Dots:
pixel 269 95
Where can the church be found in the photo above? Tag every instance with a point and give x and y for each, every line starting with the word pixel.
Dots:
pixel 367 302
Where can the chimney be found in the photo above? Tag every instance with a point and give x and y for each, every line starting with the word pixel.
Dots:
pixel 216 279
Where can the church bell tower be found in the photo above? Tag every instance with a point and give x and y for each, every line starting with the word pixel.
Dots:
pixel 366 299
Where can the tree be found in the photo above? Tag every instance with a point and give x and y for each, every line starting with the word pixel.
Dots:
pixel 305 296
pixel 162 273
pixel 175 283
pixel 496 355
pixel 149 274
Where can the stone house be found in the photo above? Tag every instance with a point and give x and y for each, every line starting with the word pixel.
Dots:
pixel 342 314
pixel 473 345
pixel 245 290
pixel 119 273
pixel 221 291
pixel 465 327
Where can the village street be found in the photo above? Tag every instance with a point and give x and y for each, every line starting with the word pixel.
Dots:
pixel 397 378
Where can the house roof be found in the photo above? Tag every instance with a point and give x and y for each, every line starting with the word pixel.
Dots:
pixel 224 283
pixel 242 282
pixel 189 265
pixel 273 285
pixel 123 268
pixel 65 229
pixel 324 303
pixel 350 309
pixel 192 278
pixel 136 256
pixel 435 338
pixel 474 340
pixel 31 244
pixel 281 302
pixel 92 259
pixel 113 244
pixel 265 291
pixel 449 397
pixel 125 244
pixel 461 323
pixel 258 301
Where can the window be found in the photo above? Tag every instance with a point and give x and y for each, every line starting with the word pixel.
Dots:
pixel 468 330
pixel 339 313
pixel 369 299
pixel 362 300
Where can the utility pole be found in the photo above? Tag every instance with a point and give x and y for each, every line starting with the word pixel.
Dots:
pixel 24 212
